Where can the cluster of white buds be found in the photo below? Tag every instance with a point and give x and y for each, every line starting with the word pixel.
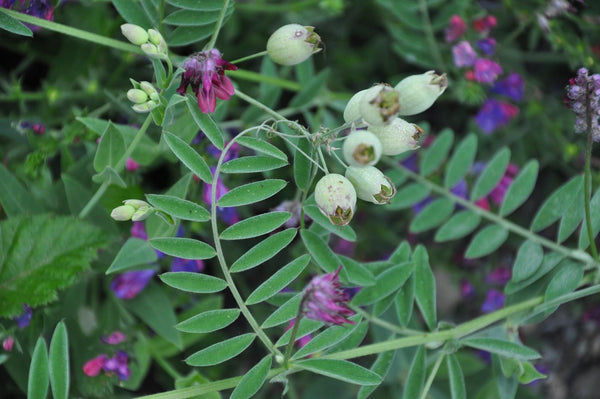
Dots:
pixel 378 108
pixel 150 41
pixel 143 96
pixel 134 210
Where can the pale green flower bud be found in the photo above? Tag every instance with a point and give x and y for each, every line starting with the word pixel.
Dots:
pixel 137 96
pixel 156 38
pixel 151 50
pixel 137 204
pixel 147 87
pixel 291 44
pixel 351 112
pixel 336 198
pixel 362 148
pixel 145 107
pixel 371 184
pixel 397 137
pixel 135 34
pixel 419 92
pixel 379 104
pixel 142 213
pixel 123 212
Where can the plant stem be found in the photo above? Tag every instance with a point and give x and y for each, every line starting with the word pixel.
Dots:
pixel 587 179
pixel 118 168
pixel 230 283
pixel 74 32
pixel 213 38
pixel 432 375
pixel 249 57
pixel 579 255
pixel 290 345
pixel 430 35
pixel 260 78
pixel 166 366
pixel 385 324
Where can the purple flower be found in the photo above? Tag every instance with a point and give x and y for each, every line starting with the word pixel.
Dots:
pixel 8 343
pixel 467 290
pixel 129 284
pixel 138 230
pixel 494 300
pixel 36 8
pixel 118 365
pixel 499 192
pixel 456 28
pixel 187 265
pixel 486 71
pixel 205 73
pixel 513 87
pixel 487 45
pixel 232 153
pixel 464 55
pixel 324 300
pixel 115 338
pixel 24 318
pixel 228 215
pixel 485 24
pixel 495 114
pixel 92 367
pixel 295 208
pixel 583 93
pixel 131 165
pixel 302 341
pixel 499 276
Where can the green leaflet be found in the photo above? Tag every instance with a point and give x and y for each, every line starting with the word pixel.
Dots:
pixel 553 208
pixel 341 370
pixel 386 283
pixel 252 164
pixel 189 157
pixel 134 252
pixel 221 351
pixel 263 251
pixel 186 248
pixel 327 338
pixel 281 279
pixel 320 251
pixel 253 379
pixel 425 292
pixel 416 375
pixel 461 161
pixel 193 282
pixel 255 226
pixel 502 347
pixel 529 259
pixel 520 189
pixel 251 193
pixel 491 175
pixel 458 226
pixel 434 214
pixel 486 241
pixel 211 320
pixel 58 362
pixel 204 121
pixel 39 376
pixel 409 195
pixel 13 25
pixel 437 153
pixel 179 207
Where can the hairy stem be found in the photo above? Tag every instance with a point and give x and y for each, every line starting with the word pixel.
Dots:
pixel 74 32
pixel 434 370
pixel 213 38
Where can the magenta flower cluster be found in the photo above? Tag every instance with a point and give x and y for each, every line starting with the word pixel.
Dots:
pixel 324 300
pixel 204 72
pixel 494 113
pixel 36 8
pixel 117 364
pixel 582 95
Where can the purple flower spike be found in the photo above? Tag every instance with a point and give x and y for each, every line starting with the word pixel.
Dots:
pixel 129 284
pixel 205 73
pixel 24 318
pixel 495 114
pixel 486 71
pixel 118 365
pixel 115 338
pixel 324 300
pixel 464 55
pixel 513 87
pixel 493 301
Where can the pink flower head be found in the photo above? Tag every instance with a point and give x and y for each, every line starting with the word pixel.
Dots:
pixel 129 284
pixel 495 114
pixel 93 366
pixel 324 300
pixel 485 24
pixel 456 28
pixel 205 73
pixel 131 165
pixel 464 55
pixel 8 343
pixel 115 338
pixel 486 71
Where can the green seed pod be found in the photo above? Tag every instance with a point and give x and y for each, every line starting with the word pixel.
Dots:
pixel 361 148
pixel 397 137
pixel 135 34
pixel 137 96
pixel 291 44
pixel 419 92
pixel 351 112
pixel 123 212
pixel 379 105
pixel 336 198
pixel 371 184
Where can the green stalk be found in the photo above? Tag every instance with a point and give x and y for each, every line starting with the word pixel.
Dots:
pixel 434 370
pixel 260 78
pixel 74 32
pixel 430 35
pixel 290 345
pixel 118 168
pixel 249 57
pixel 588 178
pixel 213 38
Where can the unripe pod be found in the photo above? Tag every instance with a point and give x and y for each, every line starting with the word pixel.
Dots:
pixel 336 198
pixel 379 105
pixel 291 44
pixel 397 137
pixel 135 34
pixel 123 212
pixel 419 92
pixel 351 112
pixel 361 148
pixel 371 184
